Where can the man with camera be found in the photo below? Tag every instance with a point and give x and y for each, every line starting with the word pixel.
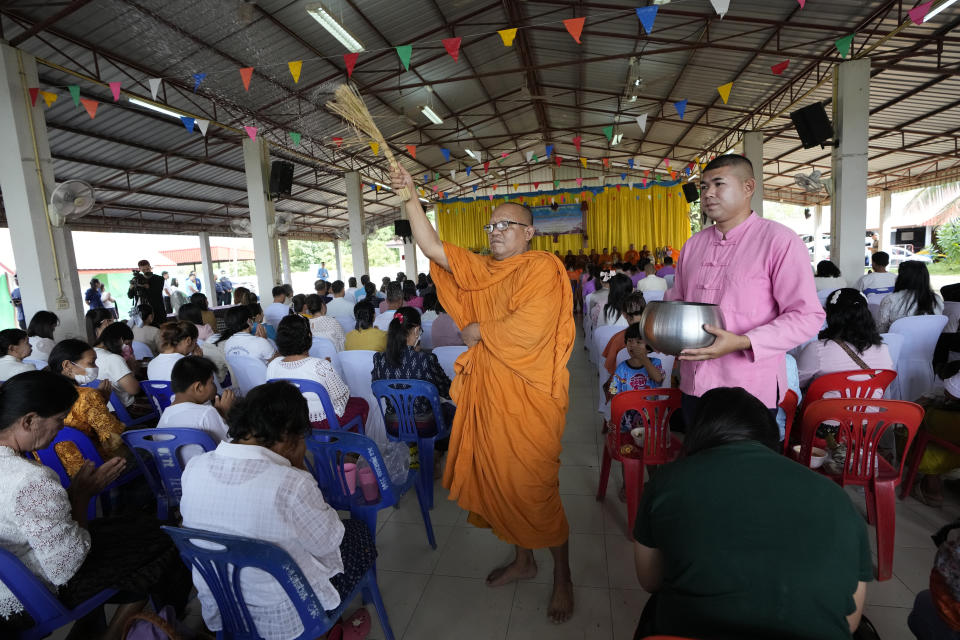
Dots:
pixel 145 286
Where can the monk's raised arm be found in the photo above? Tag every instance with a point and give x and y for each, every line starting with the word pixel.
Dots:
pixel 423 232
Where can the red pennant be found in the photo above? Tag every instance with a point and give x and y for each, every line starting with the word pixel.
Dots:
pixel 575 27
pixel 412 150
pixel 350 60
pixel 557 159
pixel 618 187
pixel 339 141
pixel 452 45
pixel 486 166
pixel 90 106
pixel 245 74
pixel 606 162
pixel 34 92
pixel 536 185
pixel 115 90
pixel 780 67
pixel 576 143
pixel 504 154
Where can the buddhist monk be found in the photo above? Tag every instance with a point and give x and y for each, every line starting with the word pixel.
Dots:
pixel 515 313
pixel 631 256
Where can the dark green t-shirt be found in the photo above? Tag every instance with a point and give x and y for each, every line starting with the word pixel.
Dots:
pixel 754 546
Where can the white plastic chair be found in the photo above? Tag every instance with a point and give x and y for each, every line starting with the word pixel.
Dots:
pixel 348 324
pixel 601 336
pixel 248 372
pixel 876 298
pixel 39 364
pixel 874 308
pixel 915 364
pixel 894 342
pixel 324 348
pixel 669 278
pixel 652 296
pixel 357 369
pixel 447 356
pixel 141 350
pixel 951 310
pixel 823 294
pixel 426 338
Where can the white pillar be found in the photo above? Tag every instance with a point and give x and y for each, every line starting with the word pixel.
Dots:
pixel 848 213
pixel 206 267
pixel 886 209
pixel 753 150
pixel 285 260
pixel 817 232
pixel 44 254
pixel 358 227
pixel 256 163
pixel 336 255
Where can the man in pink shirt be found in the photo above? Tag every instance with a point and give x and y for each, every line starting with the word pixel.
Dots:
pixel 758 271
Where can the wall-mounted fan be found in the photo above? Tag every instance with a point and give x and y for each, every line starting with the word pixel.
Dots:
pixel 70 200
pixel 282 223
pixel 240 226
pixel 809 182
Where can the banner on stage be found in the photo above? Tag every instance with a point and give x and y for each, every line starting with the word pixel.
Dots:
pixel 558 219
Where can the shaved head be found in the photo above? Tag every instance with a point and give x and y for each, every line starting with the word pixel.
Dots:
pixel 517 212
pixel 738 164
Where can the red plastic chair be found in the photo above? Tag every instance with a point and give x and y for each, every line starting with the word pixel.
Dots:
pixel 924 437
pixel 861 427
pixel 858 383
pixel 789 406
pixel 655 406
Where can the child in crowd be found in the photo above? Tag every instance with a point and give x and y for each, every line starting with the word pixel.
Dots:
pixel 638 372
pixel 196 404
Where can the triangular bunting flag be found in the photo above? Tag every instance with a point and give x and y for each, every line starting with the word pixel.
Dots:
pixel 197 79
pixel 486 166
pixel 202 125
pixel 446 154
pixel 642 122
pixel 630 163
pixel 251 131
pixel 115 90
pixel 576 143
pixel 644 182
pixel 724 91
pixel 574 27
pixel 154 86
pixel 721 7
pixel 780 67
pixel 405 51
pixel 802 3
pixel 350 61
pixel 666 162
pixel 495 187
pixel 623 176
pixel 295 138
pixel 187 122
pixel 535 158
pixel 843 45
pixel 503 155
pixel 474 188
pixel 608 132
pixel 34 93
pixel 338 141
pixel 681 107
pixel 618 187
pixel 48 97
pixel 558 160
pixel 919 12
pixel 75 94
pixel 549 150
pixel 529 155
pixel 453 174
pixel 412 150
pixel 426 177
pixel 295 66
pixel 647 15
pixel 245 74
pixel 375 147
pixel 556 184
pixel 606 162
pixel 507 35
pixel 536 185
pixel 452 45
pixel 579 182
pixel 90 106
pixel 469 169
pixel 583 161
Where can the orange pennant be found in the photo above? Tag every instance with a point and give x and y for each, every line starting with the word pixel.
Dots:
pixel 575 27
pixel 412 150
pixel 245 74
pixel 90 106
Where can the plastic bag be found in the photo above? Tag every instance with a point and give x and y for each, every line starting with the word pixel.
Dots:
pixel 396 455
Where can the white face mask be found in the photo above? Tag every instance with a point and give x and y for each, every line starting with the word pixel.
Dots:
pixel 90 374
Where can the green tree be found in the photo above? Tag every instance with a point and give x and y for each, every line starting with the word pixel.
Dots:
pixel 948 240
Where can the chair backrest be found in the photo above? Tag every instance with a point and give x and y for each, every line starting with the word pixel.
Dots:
pixel 823 294
pixel 426 337
pixel 116 405
pixel 329 452
pixel 601 336
pixel 42 605
pixel 357 367
pixel 317 389
pixel 858 383
pixel 348 323
pixel 250 372
pixel 49 458
pixel 39 364
pixel 950 309
pixel 874 308
pixel 163 446
pixel 920 335
pixel 862 424
pixel 894 342
pixel 160 393
pixel 141 350
pixel 623 355
pixel 447 356
pixel 219 559
pixel 653 296
pixel 669 278
pixel 324 348
pixel 655 407
pixel 402 394
pixel 876 296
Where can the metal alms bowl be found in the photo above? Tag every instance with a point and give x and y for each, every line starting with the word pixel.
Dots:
pixel 672 326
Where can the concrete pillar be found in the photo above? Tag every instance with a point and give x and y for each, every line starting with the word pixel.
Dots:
pixel 256 163
pixel 209 278
pixel 336 256
pixel 358 227
pixel 409 254
pixel 753 150
pixel 851 88
pixel 886 209
pixel 285 260
pixel 817 231
pixel 44 254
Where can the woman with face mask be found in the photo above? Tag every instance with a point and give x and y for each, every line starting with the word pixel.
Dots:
pixel 77 361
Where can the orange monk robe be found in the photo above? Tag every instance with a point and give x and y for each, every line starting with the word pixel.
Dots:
pixel 511 392
pixel 604 259
pixel 631 256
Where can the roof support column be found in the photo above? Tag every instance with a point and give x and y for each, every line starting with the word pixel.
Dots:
pixel 817 232
pixel 753 150
pixel 336 256
pixel 256 163
pixel 886 208
pixel 851 90
pixel 206 267
pixel 358 230
pixel 46 264
pixel 285 260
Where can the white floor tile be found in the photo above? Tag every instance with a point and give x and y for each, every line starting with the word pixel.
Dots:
pixel 580 454
pixel 889 593
pixel 890 622
pixel 621 569
pixel 404 547
pixel 401 593
pixel 584 513
pixel 579 480
pixel 473 553
pixel 528 618
pixel 626 605
pixel 913 566
pixel 461 609
pixel 587 561
pixel 444 512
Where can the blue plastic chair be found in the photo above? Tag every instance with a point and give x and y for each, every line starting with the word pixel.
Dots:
pixel 329 449
pixel 402 396
pixel 163 475
pixel 121 411
pixel 160 393
pixel 312 386
pixel 222 557
pixel 48 613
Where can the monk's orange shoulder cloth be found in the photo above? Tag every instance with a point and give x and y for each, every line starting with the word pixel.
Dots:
pixel 511 391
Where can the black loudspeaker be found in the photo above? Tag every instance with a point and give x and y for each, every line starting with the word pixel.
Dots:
pixel 401 228
pixel 281 178
pixel 813 125
pixel 690 192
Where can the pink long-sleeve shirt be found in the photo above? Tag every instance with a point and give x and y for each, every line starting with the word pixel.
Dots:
pixel 760 276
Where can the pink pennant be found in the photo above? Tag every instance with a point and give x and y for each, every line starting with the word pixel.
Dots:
pixel 576 143
pixel 115 90
pixel 919 12
pixel 34 92
pixel 579 182
pixel 504 154
pixel 251 131
pixel 802 3
pixel 350 60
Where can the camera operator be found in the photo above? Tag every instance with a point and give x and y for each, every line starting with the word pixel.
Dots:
pixel 145 286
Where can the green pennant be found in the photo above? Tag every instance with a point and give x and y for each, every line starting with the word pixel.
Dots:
pixel 556 184
pixel 608 131
pixel 404 51
pixel 843 45
pixel 295 137
pixel 535 159
pixel 75 94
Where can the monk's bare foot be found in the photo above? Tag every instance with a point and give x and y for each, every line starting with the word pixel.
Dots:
pixel 517 570
pixel 561 602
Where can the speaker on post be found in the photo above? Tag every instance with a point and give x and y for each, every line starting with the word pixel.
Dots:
pixel 690 192
pixel 401 228
pixel 281 178
pixel 813 125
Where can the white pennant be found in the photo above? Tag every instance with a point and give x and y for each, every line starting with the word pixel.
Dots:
pixel 642 122
pixel 453 174
pixel 720 6
pixel 202 125
pixel 155 86
pixel 529 156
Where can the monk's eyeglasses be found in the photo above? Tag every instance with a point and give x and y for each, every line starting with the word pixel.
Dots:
pixel 502 225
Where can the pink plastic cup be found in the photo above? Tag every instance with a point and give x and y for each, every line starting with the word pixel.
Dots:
pixel 350 473
pixel 368 484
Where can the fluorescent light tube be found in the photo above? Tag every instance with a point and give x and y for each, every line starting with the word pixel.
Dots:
pixel 424 200
pixel 319 13
pixel 153 107
pixel 617 137
pixel 431 116
pixel 472 155
pixel 938 9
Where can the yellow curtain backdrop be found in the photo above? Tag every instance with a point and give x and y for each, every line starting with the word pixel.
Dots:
pixel 654 216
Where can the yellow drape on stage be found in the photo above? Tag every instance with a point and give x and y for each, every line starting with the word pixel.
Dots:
pixel 655 216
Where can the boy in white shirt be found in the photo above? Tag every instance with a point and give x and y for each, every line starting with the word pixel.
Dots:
pixel 196 405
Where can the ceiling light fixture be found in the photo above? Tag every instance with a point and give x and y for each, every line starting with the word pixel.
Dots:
pixel 431 116
pixel 938 9
pixel 153 107
pixel 424 200
pixel 320 13
pixel 472 154
pixel 617 137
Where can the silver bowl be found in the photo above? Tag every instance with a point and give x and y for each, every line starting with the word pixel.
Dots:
pixel 670 327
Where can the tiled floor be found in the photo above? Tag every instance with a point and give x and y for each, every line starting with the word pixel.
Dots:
pixel 440 594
